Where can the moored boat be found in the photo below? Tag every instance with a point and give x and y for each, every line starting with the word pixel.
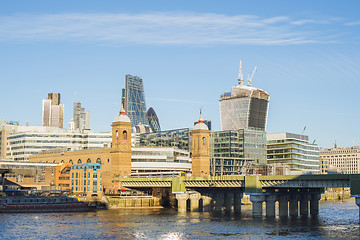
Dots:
pixel 43 204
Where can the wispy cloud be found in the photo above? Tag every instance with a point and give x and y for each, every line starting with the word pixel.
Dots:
pixel 159 29
pixel 353 23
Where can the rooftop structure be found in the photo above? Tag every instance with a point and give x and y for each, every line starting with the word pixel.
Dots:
pixel 244 107
pixel 133 100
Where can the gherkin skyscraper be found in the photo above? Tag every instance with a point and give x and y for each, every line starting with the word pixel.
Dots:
pixel 153 120
pixel 133 100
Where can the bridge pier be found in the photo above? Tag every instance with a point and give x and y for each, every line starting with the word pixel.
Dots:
pixel 294 204
pixel 237 202
pixel 228 200
pixel 270 205
pixel 314 203
pixel 304 203
pixel 357 201
pixel 194 202
pixel 207 203
pixel 219 201
pixel 283 205
pixel 257 201
pixel 181 200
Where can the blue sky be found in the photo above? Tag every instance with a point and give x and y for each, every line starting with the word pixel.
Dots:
pixel 188 54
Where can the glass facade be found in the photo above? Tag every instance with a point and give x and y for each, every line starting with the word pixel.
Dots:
pixel 133 100
pixel 153 120
pixel 178 138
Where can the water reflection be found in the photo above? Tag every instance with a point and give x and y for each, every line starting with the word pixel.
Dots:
pixel 336 221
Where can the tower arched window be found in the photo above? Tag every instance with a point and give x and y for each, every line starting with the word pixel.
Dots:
pixel 125 135
pixel 204 141
pixel 117 135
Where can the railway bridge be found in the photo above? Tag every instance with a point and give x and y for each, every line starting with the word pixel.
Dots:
pixel 296 194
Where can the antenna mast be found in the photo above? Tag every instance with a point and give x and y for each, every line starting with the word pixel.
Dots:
pixel 240 78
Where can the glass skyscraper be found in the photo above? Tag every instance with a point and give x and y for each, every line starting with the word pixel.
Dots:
pixel 153 120
pixel 133 100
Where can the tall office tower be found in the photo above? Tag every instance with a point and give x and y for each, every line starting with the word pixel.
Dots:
pixel 245 107
pixel 133 100
pixel 53 111
pixel 81 118
pixel 153 120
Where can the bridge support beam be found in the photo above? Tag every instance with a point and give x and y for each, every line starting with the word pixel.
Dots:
pixel 207 203
pixel 257 201
pixel 283 205
pixel 194 202
pixel 270 205
pixel 304 203
pixel 237 202
pixel 228 198
pixel 219 201
pixel 182 199
pixel 314 203
pixel 294 205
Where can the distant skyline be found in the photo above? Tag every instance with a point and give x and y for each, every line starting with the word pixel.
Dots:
pixel 187 53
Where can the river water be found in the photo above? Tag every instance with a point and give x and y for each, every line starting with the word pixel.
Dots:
pixel 337 220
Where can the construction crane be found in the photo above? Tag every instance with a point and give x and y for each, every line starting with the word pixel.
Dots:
pixel 252 75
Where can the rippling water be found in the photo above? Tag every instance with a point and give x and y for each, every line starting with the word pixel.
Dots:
pixel 337 220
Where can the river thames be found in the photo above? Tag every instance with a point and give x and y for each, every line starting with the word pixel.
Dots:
pixel 336 220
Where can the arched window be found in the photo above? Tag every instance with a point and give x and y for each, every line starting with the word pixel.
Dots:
pixel 79 161
pixel 125 135
pixel 54 161
pixel 98 160
pixel 117 135
pixel 71 161
pixel 108 160
pixel 62 161
pixel 88 160
pixel 204 140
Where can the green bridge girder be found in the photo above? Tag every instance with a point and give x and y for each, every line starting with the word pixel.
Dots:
pixel 249 184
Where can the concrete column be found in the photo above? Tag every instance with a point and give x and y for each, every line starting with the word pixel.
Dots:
pixel 314 203
pixel 304 203
pixel 194 202
pixel 237 202
pixel 357 201
pixel 181 199
pixel 294 205
pixel 283 205
pixel 270 205
pixel 228 197
pixel 257 201
pixel 207 207
pixel 219 201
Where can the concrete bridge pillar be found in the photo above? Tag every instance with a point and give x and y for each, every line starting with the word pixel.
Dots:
pixel 294 204
pixel 270 205
pixel 228 198
pixel 357 201
pixel 237 202
pixel 207 203
pixel 314 203
pixel 257 201
pixel 283 204
pixel 181 199
pixel 194 202
pixel 304 203
pixel 219 201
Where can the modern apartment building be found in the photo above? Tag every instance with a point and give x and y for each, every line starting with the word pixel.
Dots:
pixel 53 111
pixel 21 141
pixel 133 100
pixel 344 160
pixel 86 179
pixel 81 118
pixel 294 151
